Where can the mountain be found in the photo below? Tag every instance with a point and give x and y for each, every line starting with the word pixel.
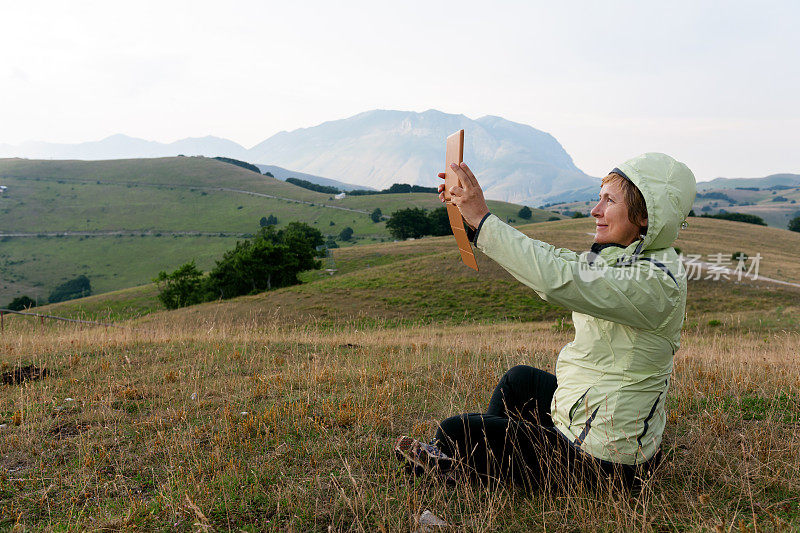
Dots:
pixel 125 147
pixel 283 174
pixel 789 180
pixel 513 161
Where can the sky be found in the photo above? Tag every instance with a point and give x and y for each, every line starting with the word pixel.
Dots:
pixel 714 84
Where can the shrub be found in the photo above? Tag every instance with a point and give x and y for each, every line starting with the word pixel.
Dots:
pixel 525 213
pixel 69 290
pixel 739 217
pixel 20 303
pixel 346 234
pixel 269 260
pixel 313 186
pixel 238 163
pixel 794 224
pixel 181 288
pixel 439 222
pixel 271 220
pixel 412 222
pixel 376 215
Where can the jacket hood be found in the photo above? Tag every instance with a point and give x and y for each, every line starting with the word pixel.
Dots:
pixel 668 188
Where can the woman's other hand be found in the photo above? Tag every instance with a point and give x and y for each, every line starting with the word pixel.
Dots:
pixel 468 198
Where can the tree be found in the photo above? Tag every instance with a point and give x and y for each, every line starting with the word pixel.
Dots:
pixel 181 288
pixel 313 186
pixel 305 241
pixel 738 217
pixel 578 214
pixel 69 290
pixel 794 224
pixel 346 234
pixel 398 188
pixel 20 303
pixel 408 223
pixel 525 213
pixel 272 259
pixel 269 260
pixel 376 215
pixel 238 163
pixel 439 222
pixel 271 220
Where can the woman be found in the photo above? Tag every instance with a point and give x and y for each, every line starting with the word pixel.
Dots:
pixel 602 413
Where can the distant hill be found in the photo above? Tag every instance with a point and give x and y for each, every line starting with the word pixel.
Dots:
pixel 125 147
pixel 792 180
pixel 514 162
pixel 775 198
pixel 283 174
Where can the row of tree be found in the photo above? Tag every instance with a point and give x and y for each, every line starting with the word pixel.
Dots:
pixel 396 188
pixel 415 222
pixel 271 259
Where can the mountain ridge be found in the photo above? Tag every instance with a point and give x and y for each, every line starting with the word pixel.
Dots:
pixel 514 162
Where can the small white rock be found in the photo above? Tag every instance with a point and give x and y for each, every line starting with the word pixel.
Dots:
pixel 430 522
pixel 194 396
pixel 244 413
pixel 3 426
pixel 68 400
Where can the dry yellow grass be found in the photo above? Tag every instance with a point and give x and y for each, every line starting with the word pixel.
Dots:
pixel 277 411
pixel 258 425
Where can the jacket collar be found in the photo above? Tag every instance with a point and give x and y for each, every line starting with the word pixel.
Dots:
pixel 615 253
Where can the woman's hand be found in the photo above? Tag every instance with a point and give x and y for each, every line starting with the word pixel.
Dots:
pixel 468 198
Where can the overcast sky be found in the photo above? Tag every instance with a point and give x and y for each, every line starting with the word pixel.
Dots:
pixel 715 84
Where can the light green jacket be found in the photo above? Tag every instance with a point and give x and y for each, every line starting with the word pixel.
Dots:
pixel 628 307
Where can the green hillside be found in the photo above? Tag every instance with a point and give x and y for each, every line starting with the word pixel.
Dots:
pixel 278 412
pixel 412 282
pixel 120 222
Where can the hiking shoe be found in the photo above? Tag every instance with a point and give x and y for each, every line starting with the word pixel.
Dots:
pixel 420 457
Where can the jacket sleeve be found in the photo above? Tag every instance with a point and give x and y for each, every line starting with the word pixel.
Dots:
pixel 643 298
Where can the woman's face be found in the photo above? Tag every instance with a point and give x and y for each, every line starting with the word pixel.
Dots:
pixel 611 217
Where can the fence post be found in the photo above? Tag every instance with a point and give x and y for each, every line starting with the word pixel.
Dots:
pixel 2 322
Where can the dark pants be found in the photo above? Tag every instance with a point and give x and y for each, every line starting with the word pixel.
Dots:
pixel 515 439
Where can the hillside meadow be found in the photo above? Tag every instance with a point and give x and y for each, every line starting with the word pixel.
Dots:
pixel 119 222
pixel 277 411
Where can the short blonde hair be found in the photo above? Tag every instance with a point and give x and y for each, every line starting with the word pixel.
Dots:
pixel 637 208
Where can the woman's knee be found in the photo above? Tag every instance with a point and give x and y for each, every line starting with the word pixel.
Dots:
pixel 518 373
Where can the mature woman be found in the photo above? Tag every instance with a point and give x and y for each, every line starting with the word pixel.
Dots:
pixel 602 413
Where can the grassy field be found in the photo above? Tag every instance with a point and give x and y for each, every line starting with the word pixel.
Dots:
pixel 154 203
pixel 277 411
pixel 410 281
pixel 268 425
